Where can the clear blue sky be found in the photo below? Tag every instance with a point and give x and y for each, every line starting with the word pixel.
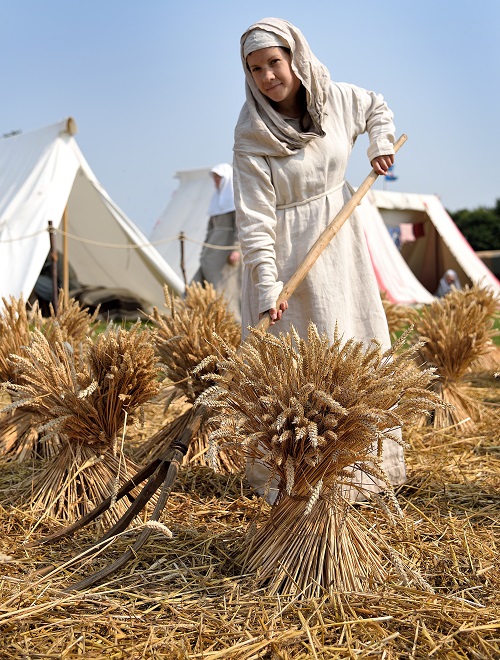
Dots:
pixel 156 85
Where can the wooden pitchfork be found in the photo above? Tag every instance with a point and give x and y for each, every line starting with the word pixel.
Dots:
pixel 162 472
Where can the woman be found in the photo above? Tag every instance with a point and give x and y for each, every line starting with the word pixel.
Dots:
pixel 293 139
pixel 221 267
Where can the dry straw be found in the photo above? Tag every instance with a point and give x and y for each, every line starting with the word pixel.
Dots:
pixel 18 437
pixel 181 597
pixel 87 399
pixel 317 415
pixel 187 347
pixel 457 332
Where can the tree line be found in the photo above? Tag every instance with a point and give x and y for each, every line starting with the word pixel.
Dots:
pixel 481 226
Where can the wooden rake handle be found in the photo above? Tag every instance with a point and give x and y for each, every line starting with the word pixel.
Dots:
pixel 325 238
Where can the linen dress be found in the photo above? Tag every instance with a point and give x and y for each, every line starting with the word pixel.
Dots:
pixel 287 190
pixel 221 231
pixel 214 267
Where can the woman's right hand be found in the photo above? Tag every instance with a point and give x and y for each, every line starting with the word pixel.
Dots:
pixel 274 313
pixel 234 258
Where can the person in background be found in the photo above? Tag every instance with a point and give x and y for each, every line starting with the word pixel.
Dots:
pixel 448 282
pixel 222 268
pixel 43 290
pixel 292 143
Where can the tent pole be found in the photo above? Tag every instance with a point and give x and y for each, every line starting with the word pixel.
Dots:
pixel 53 259
pixel 65 256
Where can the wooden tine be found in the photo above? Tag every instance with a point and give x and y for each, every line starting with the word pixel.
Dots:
pixel 178 454
pixel 132 483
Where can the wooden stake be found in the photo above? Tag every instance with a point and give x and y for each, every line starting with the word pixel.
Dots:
pixel 182 237
pixel 65 256
pixel 53 257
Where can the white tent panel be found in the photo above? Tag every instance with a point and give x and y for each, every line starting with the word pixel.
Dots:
pixel 29 199
pixel 186 212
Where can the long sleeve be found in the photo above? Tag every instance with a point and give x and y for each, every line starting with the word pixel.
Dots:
pixel 372 115
pixel 255 202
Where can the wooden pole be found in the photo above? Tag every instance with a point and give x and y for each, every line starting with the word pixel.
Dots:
pixel 53 259
pixel 183 268
pixel 65 256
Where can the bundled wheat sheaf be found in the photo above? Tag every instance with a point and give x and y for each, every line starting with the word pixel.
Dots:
pixel 87 399
pixel 17 436
pixel 457 332
pixel 72 324
pixel 317 415
pixel 489 302
pixel 187 348
pixel 399 317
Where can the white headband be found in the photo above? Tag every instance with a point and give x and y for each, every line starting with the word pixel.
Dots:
pixel 258 39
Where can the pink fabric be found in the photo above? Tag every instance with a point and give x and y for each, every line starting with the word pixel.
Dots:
pixel 407 235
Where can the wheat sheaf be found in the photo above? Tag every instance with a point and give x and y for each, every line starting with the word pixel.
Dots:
pixel 488 302
pixel 317 415
pixel 456 334
pixel 72 324
pixel 399 317
pixel 87 399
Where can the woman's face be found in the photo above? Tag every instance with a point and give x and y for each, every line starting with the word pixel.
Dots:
pixel 272 73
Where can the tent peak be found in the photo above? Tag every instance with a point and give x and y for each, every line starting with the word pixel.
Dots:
pixel 71 126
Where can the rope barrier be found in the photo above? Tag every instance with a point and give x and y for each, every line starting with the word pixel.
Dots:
pixel 117 246
pixel 22 238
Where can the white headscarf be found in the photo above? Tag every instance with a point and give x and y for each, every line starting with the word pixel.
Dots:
pixel 261 131
pixel 223 198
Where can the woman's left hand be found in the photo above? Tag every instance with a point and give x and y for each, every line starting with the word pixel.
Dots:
pixel 381 164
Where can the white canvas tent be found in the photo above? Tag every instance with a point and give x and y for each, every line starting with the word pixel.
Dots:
pixel 438 244
pixel 187 212
pixel 42 174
